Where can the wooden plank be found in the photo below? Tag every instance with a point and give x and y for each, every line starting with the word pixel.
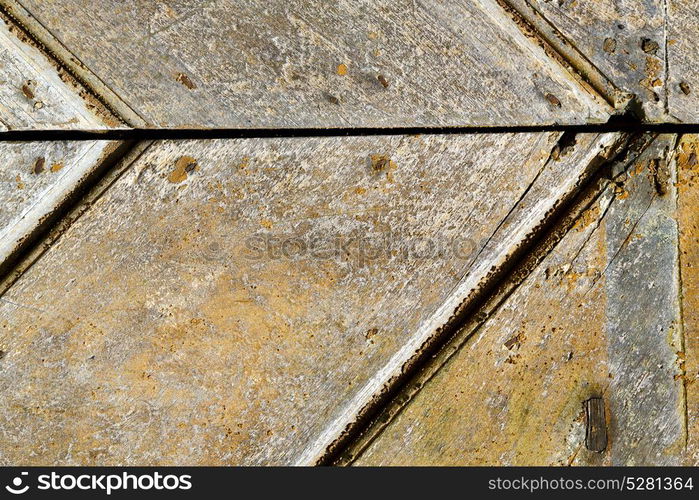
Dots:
pixel 36 179
pixel 597 319
pixel 683 36
pixel 688 200
pixel 624 40
pixel 280 64
pixel 187 317
pixel 35 93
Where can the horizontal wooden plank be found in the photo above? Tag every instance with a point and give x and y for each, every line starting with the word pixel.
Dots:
pixel 35 93
pixel 280 64
pixel 238 301
pixel 598 319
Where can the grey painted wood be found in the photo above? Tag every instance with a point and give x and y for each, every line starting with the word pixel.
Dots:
pixel 240 301
pixel 683 37
pixel 36 94
pixel 598 318
pixel 281 64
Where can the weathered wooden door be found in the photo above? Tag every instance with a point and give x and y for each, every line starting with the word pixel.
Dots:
pixel 367 232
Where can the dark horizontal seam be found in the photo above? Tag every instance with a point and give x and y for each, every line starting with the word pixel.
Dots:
pixel 141 134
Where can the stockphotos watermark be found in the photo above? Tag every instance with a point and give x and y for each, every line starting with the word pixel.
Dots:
pixel 362 249
pixel 105 483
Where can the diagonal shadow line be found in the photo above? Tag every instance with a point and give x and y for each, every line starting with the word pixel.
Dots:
pixel 496 293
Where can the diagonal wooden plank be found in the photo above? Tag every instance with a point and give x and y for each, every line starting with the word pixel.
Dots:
pixel 278 64
pixel 37 179
pixel 189 317
pixel 624 40
pixel 36 93
pixel 597 320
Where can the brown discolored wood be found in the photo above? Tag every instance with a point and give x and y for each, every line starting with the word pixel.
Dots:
pixel 596 425
pixel 688 200
pixel 222 338
pixel 597 318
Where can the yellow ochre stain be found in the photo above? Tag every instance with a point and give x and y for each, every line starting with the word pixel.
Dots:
pixel 183 166
pixel 57 166
pixel 342 69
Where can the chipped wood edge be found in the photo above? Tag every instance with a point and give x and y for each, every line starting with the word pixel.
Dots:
pixel 74 205
pixel 15 236
pixel 453 311
pixel 541 31
pixel 596 190
pixel 82 77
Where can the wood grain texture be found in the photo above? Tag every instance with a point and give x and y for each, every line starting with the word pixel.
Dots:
pixel 683 37
pixel 599 317
pixel 280 64
pixel 596 424
pixel 36 178
pixel 224 334
pixel 36 94
pixel 688 196
pixel 623 39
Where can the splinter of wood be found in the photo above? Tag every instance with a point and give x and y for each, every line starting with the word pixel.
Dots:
pixel 596 434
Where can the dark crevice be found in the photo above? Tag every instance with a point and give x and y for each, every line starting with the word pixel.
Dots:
pixel 627 123
pixel 13 267
pixel 448 340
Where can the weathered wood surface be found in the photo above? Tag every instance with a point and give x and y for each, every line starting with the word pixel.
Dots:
pixel 36 179
pixel 36 94
pixel 281 64
pixel 599 317
pixel 159 329
pixel 683 39
pixel 623 39
pixel 688 196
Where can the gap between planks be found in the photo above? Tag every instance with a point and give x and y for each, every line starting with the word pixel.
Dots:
pixel 483 307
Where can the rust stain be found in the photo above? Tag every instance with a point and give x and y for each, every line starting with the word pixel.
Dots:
pixel 382 163
pixel 609 45
pixel 342 69
pixel 183 166
pixel 588 217
pixel 56 167
pixel 553 100
pixel 649 46
pixel 39 165
pixel 186 81
pixel 371 333
pixel 27 89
